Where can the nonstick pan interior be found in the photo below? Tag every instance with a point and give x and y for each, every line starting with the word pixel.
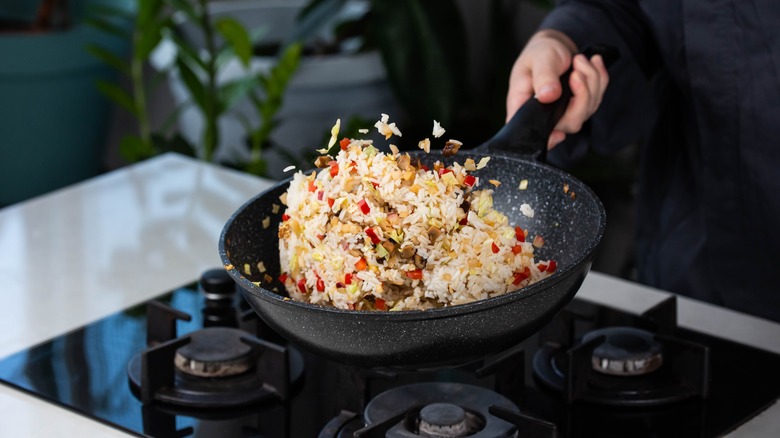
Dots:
pixel 567 215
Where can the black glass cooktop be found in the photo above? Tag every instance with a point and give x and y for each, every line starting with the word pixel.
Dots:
pixel 86 371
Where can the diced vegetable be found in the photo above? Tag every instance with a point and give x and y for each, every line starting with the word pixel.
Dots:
pixel 285 217
pixel 282 277
pixel 521 275
pixel 364 207
pixel 519 234
pixel 549 267
pixel 320 285
pixel 417 274
pixel 302 285
pixel 373 236
pixel 495 248
pixel 380 304
pixel 449 178
pixel 361 264
pixel 348 278
pixel 334 168
pixel 344 143
pixel 381 251
pixel 470 180
pixel 330 202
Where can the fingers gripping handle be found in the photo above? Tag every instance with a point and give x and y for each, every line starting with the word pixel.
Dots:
pixel 527 131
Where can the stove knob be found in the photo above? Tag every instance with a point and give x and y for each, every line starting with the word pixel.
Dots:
pixel 217 285
pixel 219 291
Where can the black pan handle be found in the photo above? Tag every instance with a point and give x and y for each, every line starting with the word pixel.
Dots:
pixel 527 131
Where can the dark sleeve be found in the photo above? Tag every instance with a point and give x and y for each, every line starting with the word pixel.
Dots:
pixel 627 111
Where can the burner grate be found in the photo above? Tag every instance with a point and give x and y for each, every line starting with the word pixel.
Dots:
pixel 572 365
pixel 266 369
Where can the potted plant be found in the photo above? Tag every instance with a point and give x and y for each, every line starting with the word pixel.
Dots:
pixel 53 121
pixel 201 70
pixel 324 87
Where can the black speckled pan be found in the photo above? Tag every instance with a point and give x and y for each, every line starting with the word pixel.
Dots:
pixel 567 214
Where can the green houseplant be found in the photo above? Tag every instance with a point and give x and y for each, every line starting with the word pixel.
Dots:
pixel 325 86
pixel 53 122
pixel 198 66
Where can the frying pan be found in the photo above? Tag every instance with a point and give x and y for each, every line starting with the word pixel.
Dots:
pixel 568 215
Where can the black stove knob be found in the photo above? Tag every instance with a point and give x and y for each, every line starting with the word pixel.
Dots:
pixel 219 292
pixel 217 285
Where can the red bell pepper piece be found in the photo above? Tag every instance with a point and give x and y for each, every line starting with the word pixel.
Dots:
pixel 372 234
pixel 364 207
pixel 519 234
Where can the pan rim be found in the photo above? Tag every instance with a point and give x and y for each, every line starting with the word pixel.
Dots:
pixel 441 312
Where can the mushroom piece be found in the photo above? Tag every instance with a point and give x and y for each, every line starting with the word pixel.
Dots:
pixel 433 233
pixel 451 148
pixel 407 250
pixel 419 261
pixel 322 161
pixel 389 246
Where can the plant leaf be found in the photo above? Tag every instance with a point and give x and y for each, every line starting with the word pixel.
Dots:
pixel 187 50
pixel 149 37
pixel 148 10
pixel 118 95
pixel 232 92
pixel 194 86
pixel 171 119
pixel 133 149
pixel 109 58
pixel 237 38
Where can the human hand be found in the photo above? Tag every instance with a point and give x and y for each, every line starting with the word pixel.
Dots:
pixel 537 72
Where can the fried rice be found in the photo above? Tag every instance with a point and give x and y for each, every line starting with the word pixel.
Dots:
pixel 381 231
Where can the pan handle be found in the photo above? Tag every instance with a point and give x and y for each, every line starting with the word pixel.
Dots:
pixel 527 131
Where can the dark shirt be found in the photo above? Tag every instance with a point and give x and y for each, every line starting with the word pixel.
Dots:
pixel 698 84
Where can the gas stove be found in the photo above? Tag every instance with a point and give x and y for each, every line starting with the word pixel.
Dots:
pixel 196 361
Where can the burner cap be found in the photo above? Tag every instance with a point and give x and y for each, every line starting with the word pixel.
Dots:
pixel 214 352
pixel 443 420
pixel 444 405
pixel 626 351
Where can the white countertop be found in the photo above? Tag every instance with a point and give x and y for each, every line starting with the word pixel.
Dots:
pixel 84 252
